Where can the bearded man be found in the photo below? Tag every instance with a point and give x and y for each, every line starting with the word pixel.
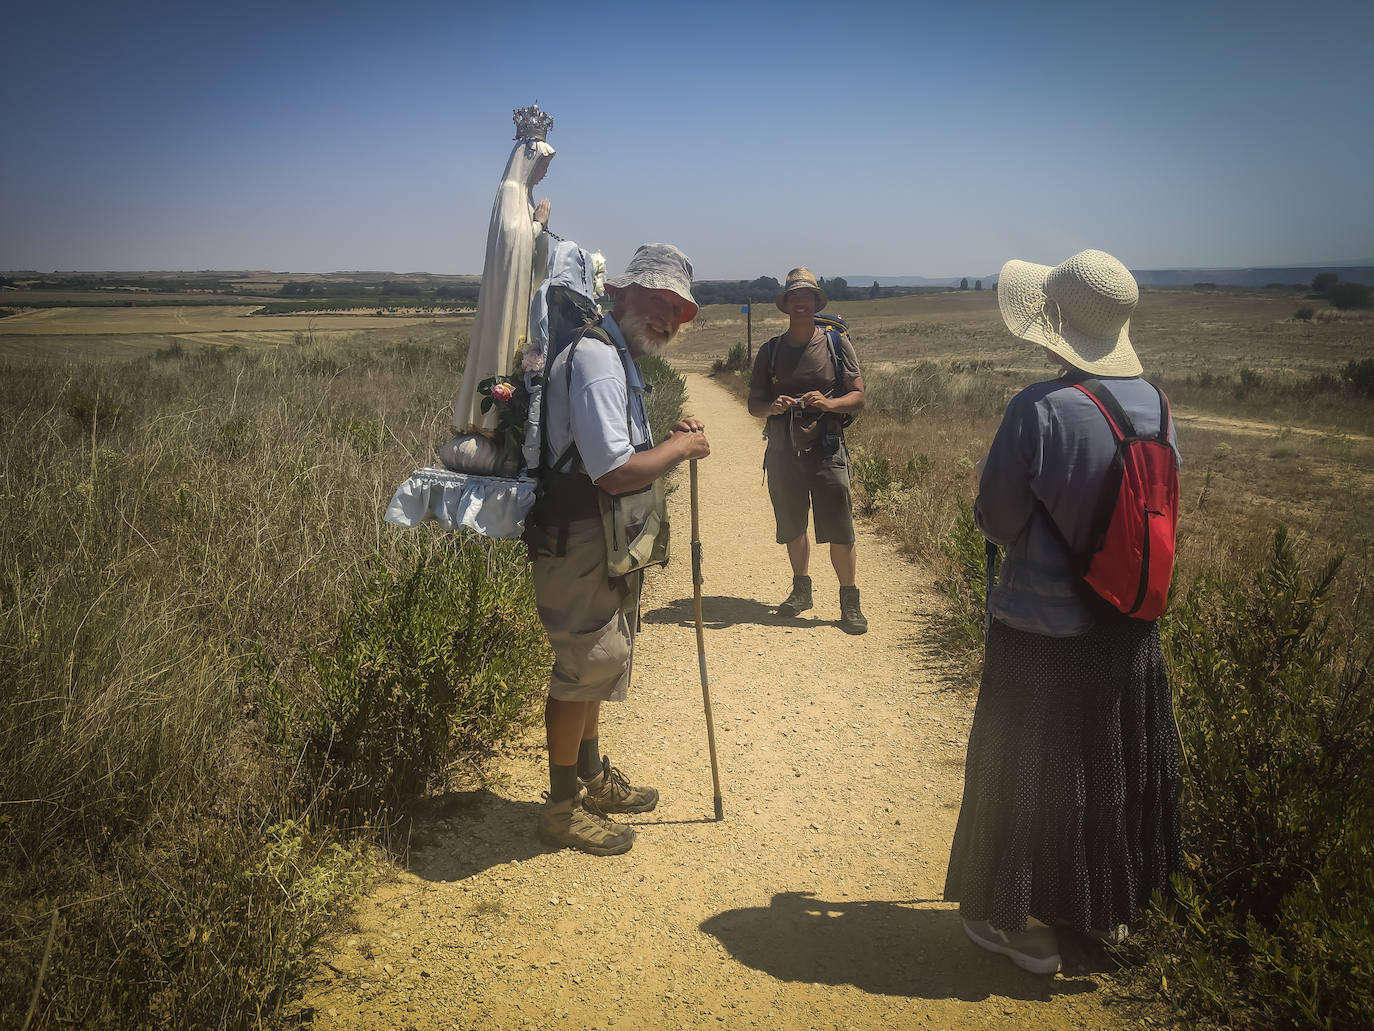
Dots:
pixel 600 451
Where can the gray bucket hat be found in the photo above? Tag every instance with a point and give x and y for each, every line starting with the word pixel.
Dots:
pixel 660 266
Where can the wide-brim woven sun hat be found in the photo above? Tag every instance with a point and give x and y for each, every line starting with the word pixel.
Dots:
pixel 801 279
pixel 1081 310
pixel 660 266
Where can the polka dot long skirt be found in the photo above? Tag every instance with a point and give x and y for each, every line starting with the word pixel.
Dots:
pixel 1071 785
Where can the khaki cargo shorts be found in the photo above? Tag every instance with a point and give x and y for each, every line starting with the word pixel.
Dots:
pixel 591 624
pixel 800 485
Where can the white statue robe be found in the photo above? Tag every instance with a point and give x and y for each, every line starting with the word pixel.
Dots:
pixel 517 253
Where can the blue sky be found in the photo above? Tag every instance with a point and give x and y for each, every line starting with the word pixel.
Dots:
pixel 859 139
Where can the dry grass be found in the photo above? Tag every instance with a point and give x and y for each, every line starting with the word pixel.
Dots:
pixel 176 532
pixel 1260 447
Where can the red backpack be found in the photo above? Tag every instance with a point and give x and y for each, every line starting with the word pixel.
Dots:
pixel 1131 560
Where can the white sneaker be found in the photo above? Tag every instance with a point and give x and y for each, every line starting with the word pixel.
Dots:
pixel 1035 949
pixel 1115 936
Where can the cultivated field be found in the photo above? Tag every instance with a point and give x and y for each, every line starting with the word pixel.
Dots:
pixel 107 333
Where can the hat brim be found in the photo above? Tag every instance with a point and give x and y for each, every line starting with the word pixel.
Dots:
pixel 821 299
pixel 690 307
pixel 1022 301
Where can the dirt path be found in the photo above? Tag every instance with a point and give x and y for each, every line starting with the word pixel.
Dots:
pixel 815 904
pixel 1257 428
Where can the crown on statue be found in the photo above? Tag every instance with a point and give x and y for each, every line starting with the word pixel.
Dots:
pixel 531 123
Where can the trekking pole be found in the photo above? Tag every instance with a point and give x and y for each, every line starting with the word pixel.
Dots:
pixel 701 641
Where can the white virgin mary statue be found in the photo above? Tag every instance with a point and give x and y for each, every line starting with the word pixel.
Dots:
pixel 517 256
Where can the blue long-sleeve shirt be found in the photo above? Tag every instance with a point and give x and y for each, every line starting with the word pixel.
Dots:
pixel 1053 446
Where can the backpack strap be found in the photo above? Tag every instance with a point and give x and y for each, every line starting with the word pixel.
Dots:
pixel 833 335
pixel 562 469
pixel 594 330
pixel 1123 429
pixel 836 361
pixel 1097 392
pixel 1122 426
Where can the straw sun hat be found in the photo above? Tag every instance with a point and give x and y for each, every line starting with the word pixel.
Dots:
pixel 1080 310
pixel 801 279
pixel 660 266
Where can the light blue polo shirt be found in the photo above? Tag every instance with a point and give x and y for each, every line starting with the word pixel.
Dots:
pixel 607 417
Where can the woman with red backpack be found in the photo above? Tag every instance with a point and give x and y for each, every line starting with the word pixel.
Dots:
pixel 1070 810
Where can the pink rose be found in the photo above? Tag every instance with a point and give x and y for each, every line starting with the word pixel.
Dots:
pixel 502 391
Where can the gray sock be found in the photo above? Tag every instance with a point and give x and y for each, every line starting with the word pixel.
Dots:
pixel 562 782
pixel 589 758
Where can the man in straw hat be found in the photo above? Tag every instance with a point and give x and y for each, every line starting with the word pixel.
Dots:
pixel 1070 814
pixel 796 384
pixel 598 430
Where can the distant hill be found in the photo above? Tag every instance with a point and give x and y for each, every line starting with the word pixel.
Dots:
pixel 1292 275
pixel 950 281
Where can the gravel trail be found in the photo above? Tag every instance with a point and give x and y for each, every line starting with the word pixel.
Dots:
pixel 814 904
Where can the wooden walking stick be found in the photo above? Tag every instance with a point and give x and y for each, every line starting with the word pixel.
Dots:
pixel 701 641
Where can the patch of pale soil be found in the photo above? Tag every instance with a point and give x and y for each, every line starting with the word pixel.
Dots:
pixel 814 904
pixel 1257 428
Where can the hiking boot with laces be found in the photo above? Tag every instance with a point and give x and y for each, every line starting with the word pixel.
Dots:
pixel 611 792
pixel 800 598
pixel 851 619
pixel 573 824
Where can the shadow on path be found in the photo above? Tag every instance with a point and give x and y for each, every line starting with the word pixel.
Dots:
pixel 885 948
pixel 461 833
pixel 719 611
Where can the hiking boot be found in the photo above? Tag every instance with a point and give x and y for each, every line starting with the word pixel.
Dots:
pixel 1035 949
pixel 570 824
pixel 851 619
pixel 800 598
pixel 610 791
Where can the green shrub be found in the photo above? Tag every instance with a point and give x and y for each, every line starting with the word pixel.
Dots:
pixel 433 662
pixel 737 360
pixel 1248 381
pixel 93 412
pixel 1276 715
pixel 1304 314
pixel 1359 376
pixel 965 585
pixel 365 433
pixel 1349 295
pixel 667 393
pixel 919 468
pixel 872 471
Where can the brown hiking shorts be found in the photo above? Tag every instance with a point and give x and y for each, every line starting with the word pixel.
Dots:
pixel 799 484
pixel 591 622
